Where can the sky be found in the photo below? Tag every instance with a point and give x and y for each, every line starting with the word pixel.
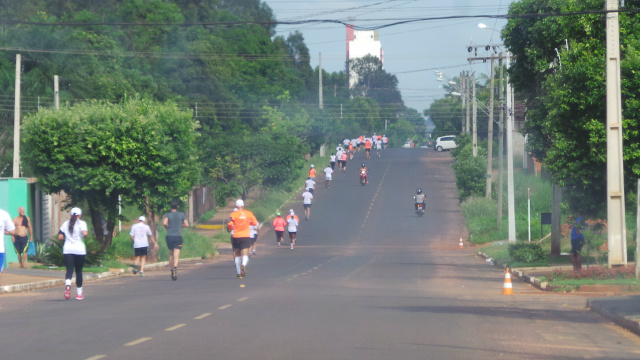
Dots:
pixel 411 51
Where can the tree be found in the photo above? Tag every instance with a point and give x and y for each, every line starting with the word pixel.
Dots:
pixel 367 78
pixel 141 150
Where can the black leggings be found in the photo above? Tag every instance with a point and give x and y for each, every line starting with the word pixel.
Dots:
pixel 72 262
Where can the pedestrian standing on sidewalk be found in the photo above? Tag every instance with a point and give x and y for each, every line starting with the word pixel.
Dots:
pixel 140 234
pixel 328 171
pixel 20 239
pixel 577 242
pixel 174 221
pixel 240 221
pixel 278 225
pixel 292 222
pixel 74 251
pixel 306 202
pixel 6 228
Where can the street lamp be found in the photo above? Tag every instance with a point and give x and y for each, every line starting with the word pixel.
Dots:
pixel 484 26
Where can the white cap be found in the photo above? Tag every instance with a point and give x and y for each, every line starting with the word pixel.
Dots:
pixel 239 203
pixel 76 211
pixel 142 218
pixel 291 211
pixel 235 209
pixel 311 165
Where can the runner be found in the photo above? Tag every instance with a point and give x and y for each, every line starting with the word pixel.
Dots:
pixel 339 158
pixel 22 224
pixel 74 251
pixel 327 176
pixel 312 173
pixel 292 222
pixel 361 142
pixel 367 147
pixel 306 202
pixel 239 222
pixel 385 141
pixel 346 142
pixel 140 234
pixel 351 152
pixel 6 228
pixel 253 231
pixel 174 221
pixel 333 161
pixel 344 162
pixel 278 225
pixel 309 185
pixel 379 146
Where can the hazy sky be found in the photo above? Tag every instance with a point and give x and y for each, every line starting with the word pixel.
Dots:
pixel 433 44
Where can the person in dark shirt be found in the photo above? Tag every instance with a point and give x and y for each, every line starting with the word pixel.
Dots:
pixel 174 221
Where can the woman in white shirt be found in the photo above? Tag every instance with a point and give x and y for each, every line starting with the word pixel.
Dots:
pixel 74 251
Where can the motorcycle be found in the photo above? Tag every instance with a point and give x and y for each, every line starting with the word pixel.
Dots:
pixel 420 210
pixel 363 177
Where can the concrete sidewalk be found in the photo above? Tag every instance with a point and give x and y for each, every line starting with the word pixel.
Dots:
pixel 622 310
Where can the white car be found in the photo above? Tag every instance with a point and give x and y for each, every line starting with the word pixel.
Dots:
pixel 407 144
pixel 445 143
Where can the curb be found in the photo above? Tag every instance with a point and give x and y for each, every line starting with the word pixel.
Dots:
pixel 618 319
pixel 542 285
pixel 88 276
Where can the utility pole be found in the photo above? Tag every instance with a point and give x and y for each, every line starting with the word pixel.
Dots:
pixel 511 209
pixel 16 120
pixel 468 102
pixel 320 80
pixel 501 143
pixel 490 133
pixel 463 91
pixel 475 118
pixel 616 227
pixel 56 92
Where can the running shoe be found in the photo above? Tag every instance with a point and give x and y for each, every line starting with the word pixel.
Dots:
pixel 135 269
pixel 242 273
pixel 291 246
pixel 239 276
pixel 174 274
pixel 80 297
pixel 278 244
pixel 67 292
pixel 253 252
pixel 141 273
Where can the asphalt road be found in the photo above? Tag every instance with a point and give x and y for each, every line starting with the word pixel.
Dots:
pixel 368 279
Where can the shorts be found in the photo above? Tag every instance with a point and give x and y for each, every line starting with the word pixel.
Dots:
pixel 21 244
pixel 1 260
pixel 577 244
pixel 279 234
pixel 241 243
pixel 307 206
pixel 310 190
pixel 142 251
pixel 254 239
pixel 174 242
pixel 327 178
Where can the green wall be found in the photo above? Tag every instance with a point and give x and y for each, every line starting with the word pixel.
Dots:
pixel 13 194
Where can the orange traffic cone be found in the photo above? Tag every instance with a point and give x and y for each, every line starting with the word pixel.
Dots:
pixel 461 244
pixel 508 288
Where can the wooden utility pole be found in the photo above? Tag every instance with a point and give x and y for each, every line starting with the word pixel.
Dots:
pixel 490 133
pixel 16 120
pixel 474 149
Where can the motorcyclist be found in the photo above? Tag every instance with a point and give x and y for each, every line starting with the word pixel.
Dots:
pixel 420 198
pixel 364 168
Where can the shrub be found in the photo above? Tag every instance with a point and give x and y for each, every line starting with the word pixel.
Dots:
pixel 527 252
pixel 470 173
pixel 53 254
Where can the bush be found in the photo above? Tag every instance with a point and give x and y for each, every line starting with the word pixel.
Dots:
pixel 527 252
pixel 53 254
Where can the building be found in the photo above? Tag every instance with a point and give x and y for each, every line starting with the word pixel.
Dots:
pixel 361 43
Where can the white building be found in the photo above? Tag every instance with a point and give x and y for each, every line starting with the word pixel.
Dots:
pixel 361 43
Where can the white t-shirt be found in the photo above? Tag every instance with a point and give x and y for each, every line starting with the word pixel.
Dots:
pixel 73 243
pixel 140 232
pixel 307 196
pixel 378 145
pixel 310 184
pixel 333 158
pixel 327 173
pixel 339 155
pixel 384 139
pixel 293 224
pixel 5 224
pixel 253 231
pixel 354 142
pixel 346 142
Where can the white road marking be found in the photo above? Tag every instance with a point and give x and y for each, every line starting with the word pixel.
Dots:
pixel 96 357
pixel 202 316
pixel 243 299
pixel 136 342
pixel 175 327
pixel 224 307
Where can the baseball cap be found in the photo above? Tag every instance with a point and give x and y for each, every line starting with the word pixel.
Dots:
pixel 239 203
pixel 278 213
pixel 291 211
pixel 76 211
pixel 311 165
pixel 142 218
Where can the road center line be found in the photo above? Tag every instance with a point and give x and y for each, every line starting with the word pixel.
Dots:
pixel 224 307
pixel 243 299
pixel 96 357
pixel 136 342
pixel 175 327
pixel 202 316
